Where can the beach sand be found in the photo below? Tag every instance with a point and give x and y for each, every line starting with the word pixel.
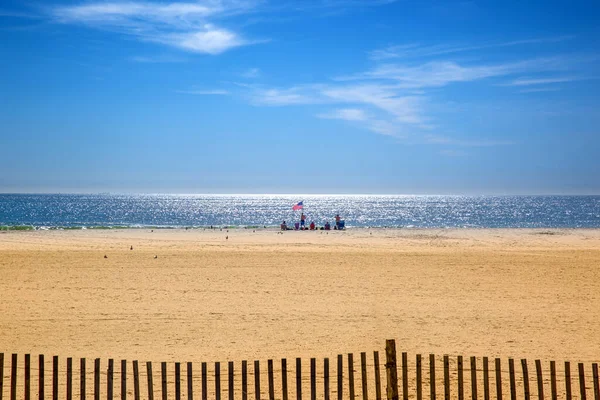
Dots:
pixel 258 295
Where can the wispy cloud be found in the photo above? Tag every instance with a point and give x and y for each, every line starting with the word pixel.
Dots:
pixel 543 81
pixel 347 114
pixel 158 59
pixel 186 26
pixel 218 92
pixel 543 89
pixel 251 73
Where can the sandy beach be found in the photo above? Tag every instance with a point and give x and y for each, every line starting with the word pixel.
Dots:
pixel 261 294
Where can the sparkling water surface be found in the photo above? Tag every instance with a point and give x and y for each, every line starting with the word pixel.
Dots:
pixel 107 210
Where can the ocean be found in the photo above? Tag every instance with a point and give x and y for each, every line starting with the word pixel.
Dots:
pixel 110 211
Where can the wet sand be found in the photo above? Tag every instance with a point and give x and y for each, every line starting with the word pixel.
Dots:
pixel 258 295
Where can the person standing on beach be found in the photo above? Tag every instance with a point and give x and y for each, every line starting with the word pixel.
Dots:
pixel 337 220
pixel 302 220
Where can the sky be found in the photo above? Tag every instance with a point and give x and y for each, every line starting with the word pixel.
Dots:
pixel 312 96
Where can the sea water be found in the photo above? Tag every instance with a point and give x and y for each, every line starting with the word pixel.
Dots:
pixel 33 211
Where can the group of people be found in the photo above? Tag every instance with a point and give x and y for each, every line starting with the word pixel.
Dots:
pixel 339 224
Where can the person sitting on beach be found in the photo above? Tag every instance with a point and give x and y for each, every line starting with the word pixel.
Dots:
pixel 312 226
pixel 327 226
pixel 283 226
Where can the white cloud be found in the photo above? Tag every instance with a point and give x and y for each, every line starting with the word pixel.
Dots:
pixel 186 26
pixel 156 59
pixel 251 73
pixel 204 92
pixel 347 114
pixel 542 81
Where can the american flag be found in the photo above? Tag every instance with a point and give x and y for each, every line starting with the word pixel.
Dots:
pixel 298 206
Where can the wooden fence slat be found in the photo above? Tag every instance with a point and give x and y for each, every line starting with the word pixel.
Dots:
pixel 432 376
pixel 340 376
pixel 136 380
pixel 525 379
pixel 326 379
pixel 190 381
pixel 582 391
pixel 13 377
pixel 351 376
pixel 568 380
pixel 391 371
pixel 150 383
pixel 204 381
pixel 446 378
pixel 109 378
pixel 244 380
pixel 404 376
pixel 27 388
pixel 363 371
pixel 377 376
pixel 41 376
pixel 596 382
pixel 97 379
pixel 271 380
pixel 461 382
pixel 540 380
pixel 419 378
pixel 313 379
pixel 177 381
pixel 82 379
pixel 163 380
pixel 498 369
pixel 554 391
pixel 474 378
pixel 298 378
pixel 230 380
pixel 486 379
pixel 124 380
pixel 1 374
pixel 284 385
pixel 257 380
pixel 513 383
pixel 55 378
pixel 218 380
pixel 69 379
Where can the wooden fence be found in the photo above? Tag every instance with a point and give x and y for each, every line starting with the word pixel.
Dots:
pixel 345 378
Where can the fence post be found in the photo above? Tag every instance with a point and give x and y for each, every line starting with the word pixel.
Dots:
pixel 568 380
pixel 351 375
pixel 582 382
pixel 82 379
pixel 55 378
pixel 271 379
pixel 461 384
pixel 13 377
pixel 419 378
pixel 136 380
pixel 218 380
pixel 313 379
pixel 474 378
pixel 298 378
pixel 498 379
pixel 284 387
pixel 177 381
pixel 1 374
pixel 486 379
pixel 404 376
pixel 109 378
pixel 27 377
pixel 432 376
pixel 257 380
pixel 69 379
pixel 525 379
pixel 513 383
pixel 377 376
pixel 244 380
pixel 446 378
pixel 340 376
pixel 150 383
pixel 540 381
pixel 230 381
pixel 391 370
pixel 124 380
pixel 554 391
pixel 204 382
pixel 363 378
pixel 41 376
pixel 163 373
pixel 596 383
pixel 190 381
pixel 326 378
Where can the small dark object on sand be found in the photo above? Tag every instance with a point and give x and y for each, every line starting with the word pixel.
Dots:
pixel 105 256
pixel 226 237
pixel 155 257
pixel 131 248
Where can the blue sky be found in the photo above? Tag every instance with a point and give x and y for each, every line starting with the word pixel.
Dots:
pixel 314 96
